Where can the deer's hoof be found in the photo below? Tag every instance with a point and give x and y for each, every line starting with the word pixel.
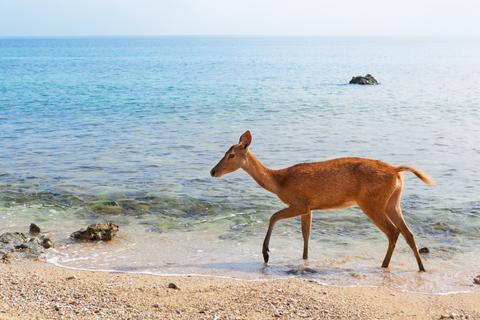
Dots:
pixel 265 257
pixel 265 252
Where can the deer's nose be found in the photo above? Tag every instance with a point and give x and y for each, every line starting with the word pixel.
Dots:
pixel 212 172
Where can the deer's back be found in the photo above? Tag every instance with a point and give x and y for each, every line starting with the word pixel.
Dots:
pixel 334 183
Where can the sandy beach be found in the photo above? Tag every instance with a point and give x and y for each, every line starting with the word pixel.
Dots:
pixel 37 290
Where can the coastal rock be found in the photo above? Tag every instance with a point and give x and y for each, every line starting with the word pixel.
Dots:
pixel 34 229
pixel 22 246
pixel 424 250
pixel 476 280
pixel 12 239
pixel 47 243
pixel 368 79
pixel 97 232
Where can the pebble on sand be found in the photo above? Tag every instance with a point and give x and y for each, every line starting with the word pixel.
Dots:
pixel 172 285
pixel 424 250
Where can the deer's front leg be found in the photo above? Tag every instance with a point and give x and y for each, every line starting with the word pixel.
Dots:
pixel 282 214
pixel 306 228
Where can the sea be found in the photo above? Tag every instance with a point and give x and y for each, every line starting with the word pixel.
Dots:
pixel 126 130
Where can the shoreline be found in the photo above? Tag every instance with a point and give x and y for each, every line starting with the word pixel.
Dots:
pixel 199 275
pixel 45 291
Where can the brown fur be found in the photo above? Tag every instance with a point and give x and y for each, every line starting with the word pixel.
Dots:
pixel 373 185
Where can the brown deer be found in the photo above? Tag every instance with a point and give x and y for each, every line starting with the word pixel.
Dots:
pixel 375 186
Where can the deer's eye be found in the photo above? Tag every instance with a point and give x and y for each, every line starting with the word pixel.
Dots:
pixel 231 155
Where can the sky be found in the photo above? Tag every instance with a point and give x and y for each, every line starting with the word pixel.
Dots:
pixel 239 17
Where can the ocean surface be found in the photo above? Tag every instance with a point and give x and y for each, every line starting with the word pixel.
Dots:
pixel 127 129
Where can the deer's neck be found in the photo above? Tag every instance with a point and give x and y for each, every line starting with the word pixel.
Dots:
pixel 260 173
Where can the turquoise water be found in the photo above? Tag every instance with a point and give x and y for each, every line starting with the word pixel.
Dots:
pixel 127 129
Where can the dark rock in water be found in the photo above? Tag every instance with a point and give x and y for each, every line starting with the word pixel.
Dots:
pixel 424 250
pixel 476 280
pixel 367 80
pixel 47 243
pixel 21 246
pixel 34 229
pixel 97 232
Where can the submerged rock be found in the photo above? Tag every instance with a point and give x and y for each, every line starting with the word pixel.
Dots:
pixel 105 207
pixel 34 229
pixel 301 271
pixel 424 250
pixel 132 206
pixel 97 232
pixel 368 79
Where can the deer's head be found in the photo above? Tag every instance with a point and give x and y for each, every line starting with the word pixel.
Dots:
pixel 234 158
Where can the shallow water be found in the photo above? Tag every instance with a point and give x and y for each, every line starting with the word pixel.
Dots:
pixel 127 129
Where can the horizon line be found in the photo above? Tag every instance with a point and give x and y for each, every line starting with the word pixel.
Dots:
pixel 238 36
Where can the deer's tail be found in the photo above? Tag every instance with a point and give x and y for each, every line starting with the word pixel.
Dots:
pixel 420 174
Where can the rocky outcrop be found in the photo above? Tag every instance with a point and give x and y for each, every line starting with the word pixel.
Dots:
pixel 368 79
pixel 17 244
pixel 96 232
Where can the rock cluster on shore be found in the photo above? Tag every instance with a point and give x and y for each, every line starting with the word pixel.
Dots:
pixel 33 244
pixel 368 79
pixel 18 244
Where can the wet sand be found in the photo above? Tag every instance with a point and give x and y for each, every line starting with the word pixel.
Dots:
pixel 36 290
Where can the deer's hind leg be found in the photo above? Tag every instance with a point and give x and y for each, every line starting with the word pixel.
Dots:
pixel 394 213
pixel 306 228
pixel 376 212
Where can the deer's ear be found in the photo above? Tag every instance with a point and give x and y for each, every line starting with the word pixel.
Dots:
pixel 245 139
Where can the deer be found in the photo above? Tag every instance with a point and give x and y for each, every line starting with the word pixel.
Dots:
pixel 374 186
